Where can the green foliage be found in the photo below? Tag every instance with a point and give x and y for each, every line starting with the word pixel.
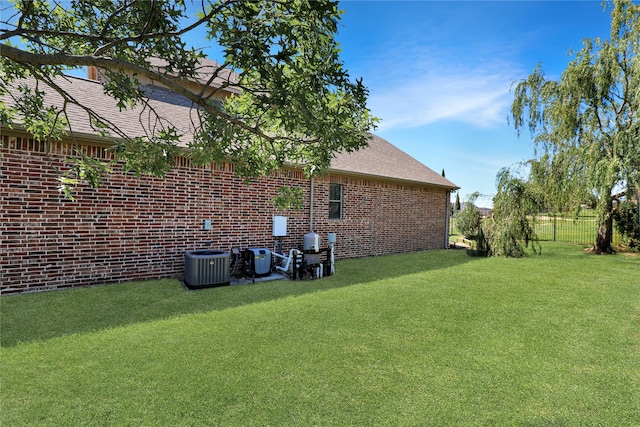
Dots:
pixel 586 123
pixel 294 100
pixel 288 198
pixel 512 222
pixel 626 221
pixel 154 157
pixel 469 219
pixel 81 169
pixel 41 121
pixel 457 205
pixel 481 247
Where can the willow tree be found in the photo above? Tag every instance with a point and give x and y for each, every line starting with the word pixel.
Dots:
pixel 512 221
pixel 294 100
pixel 586 124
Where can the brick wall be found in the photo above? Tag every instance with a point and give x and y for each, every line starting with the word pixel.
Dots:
pixel 381 217
pixel 130 228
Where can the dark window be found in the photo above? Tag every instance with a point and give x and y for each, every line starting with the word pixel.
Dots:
pixel 335 201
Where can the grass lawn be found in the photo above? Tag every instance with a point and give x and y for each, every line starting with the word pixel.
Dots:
pixel 433 338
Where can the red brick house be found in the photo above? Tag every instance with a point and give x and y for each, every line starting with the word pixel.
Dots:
pixel 378 201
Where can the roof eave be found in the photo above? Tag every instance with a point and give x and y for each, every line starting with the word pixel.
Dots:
pixel 392 179
pixel 18 128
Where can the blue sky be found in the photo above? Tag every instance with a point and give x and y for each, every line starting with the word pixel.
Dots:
pixel 440 72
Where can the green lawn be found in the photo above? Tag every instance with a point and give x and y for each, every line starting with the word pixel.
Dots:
pixel 434 338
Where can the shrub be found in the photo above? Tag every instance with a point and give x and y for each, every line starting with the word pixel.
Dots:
pixel 625 219
pixel 469 220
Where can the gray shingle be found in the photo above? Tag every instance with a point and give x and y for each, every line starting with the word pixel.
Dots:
pixel 383 159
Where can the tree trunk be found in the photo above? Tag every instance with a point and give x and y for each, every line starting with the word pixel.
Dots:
pixel 605 230
pixel 604 238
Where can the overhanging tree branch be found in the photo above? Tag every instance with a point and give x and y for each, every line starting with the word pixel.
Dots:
pixel 292 99
pixel 38 60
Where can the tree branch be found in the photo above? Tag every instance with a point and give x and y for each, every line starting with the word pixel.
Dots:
pixel 38 60
pixel 110 18
pixel 142 36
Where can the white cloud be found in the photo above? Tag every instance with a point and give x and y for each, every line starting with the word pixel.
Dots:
pixel 438 92
pixel 417 81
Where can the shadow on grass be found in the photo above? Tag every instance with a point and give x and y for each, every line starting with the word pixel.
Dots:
pixel 42 316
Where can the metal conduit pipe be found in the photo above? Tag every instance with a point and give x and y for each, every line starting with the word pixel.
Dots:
pixel 447 215
pixel 311 206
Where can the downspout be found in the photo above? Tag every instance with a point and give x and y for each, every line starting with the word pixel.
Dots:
pixel 311 207
pixel 447 219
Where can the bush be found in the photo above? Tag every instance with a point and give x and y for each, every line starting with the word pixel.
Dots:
pixel 468 221
pixel 625 219
pixel 482 247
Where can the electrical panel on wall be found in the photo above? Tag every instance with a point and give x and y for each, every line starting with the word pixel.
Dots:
pixel 279 226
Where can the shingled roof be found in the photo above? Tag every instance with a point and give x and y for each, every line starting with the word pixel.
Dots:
pixel 136 122
pixel 383 159
pixel 380 159
pixel 208 72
